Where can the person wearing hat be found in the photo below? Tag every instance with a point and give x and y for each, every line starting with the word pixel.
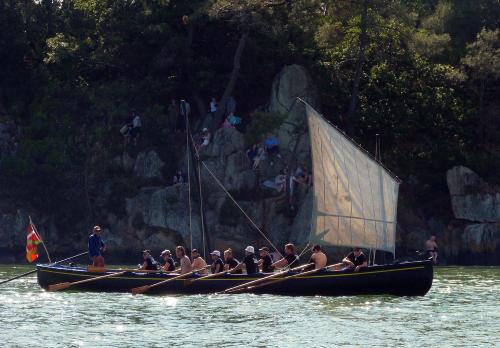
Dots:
pixel 249 262
pixel 198 262
pixel 184 261
pixel 96 247
pixel 231 262
pixel 265 261
pixel 169 265
pixel 217 264
pixel 149 263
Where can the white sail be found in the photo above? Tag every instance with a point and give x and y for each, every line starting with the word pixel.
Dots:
pixel 355 198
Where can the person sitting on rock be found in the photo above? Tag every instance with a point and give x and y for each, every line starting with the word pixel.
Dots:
pixel 178 178
pixel 272 145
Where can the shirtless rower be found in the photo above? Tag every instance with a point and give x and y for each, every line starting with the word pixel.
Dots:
pixel 431 248
pixel 184 261
pixel 318 257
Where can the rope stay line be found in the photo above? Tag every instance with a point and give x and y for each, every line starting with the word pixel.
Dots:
pixel 189 182
pixel 232 198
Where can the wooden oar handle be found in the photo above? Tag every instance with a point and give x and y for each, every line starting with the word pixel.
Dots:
pixel 274 275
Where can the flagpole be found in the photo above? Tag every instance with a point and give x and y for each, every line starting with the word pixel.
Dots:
pixel 39 237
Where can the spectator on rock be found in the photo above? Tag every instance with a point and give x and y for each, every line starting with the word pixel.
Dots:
pixel 212 109
pixel 206 137
pixel 135 132
pixel 178 178
pixel 259 157
pixel 125 131
pixel 277 184
pixel 203 140
pixel 272 145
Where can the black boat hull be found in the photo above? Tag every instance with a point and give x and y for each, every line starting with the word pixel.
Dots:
pixel 404 279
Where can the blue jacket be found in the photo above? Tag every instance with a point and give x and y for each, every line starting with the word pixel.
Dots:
pixel 95 245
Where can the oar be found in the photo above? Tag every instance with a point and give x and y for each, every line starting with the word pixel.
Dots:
pixel 214 275
pixel 92 269
pixel 62 286
pixel 250 288
pixel 143 289
pixel 33 271
pixel 275 275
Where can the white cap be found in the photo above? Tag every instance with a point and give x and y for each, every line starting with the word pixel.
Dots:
pixel 250 249
pixel 205 129
pixel 215 252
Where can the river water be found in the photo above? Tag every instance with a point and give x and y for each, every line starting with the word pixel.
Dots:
pixel 461 310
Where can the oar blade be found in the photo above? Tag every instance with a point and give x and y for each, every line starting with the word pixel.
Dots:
pixel 140 289
pixel 59 286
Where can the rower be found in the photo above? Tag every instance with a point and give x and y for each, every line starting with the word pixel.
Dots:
pixel 184 261
pixel 217 264
pixel 318 257
pixel 265 260
pixel 96 247
pixel 198 262
pixel 230 262
pixel 250 262
pixel 290 259
pixel 149 263
pixel 356 259
pixel 169 265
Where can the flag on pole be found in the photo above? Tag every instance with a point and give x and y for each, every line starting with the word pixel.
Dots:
pixel 32 242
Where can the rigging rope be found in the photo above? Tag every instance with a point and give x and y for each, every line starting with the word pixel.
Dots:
pixel 189 181
pixel 232 198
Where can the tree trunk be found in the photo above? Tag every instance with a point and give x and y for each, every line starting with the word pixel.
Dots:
pixel 359 68
pixel 228 92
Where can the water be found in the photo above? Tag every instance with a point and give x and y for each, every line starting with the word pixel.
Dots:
pixel 461 310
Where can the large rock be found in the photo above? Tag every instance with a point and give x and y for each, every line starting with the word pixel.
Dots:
pixel 291 83
pixel 166 210
pixel 472 198
pixel 148 166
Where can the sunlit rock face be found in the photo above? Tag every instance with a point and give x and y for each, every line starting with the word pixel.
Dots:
pixel 472 198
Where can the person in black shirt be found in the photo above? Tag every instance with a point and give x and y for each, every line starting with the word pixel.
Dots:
pixel 291 259
pixel 265 260
pixel 169 261
pixel 218 264
pixel 356 259
pixel 149 262
pixel 231 262
pixel 250 262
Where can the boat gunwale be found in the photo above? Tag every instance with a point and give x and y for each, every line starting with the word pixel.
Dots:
pixel 81 272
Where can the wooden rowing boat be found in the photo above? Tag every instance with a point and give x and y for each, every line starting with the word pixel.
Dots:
pixel 402 279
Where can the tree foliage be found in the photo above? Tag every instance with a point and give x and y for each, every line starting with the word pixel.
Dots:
pixel 73 69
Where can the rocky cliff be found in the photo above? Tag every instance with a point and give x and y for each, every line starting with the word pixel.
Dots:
pixel 155 214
